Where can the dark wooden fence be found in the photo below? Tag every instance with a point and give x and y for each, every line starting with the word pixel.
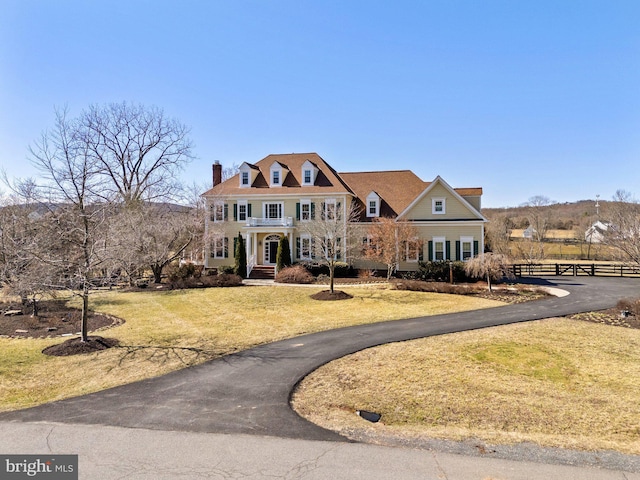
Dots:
pixel 575 269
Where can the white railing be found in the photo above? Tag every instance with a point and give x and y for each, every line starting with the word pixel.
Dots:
pixel 270 222
pixel 250 264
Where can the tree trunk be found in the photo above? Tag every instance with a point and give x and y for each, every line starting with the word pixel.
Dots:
pixel 157 273
pixel 331 275
pixel 489 282
pixel 389 270
pixel 34 306
pixel 84 331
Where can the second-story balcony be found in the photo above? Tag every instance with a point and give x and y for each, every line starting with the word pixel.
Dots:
pixel 270 222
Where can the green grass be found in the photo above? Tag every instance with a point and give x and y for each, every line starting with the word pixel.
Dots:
pixel 180 328
pixel 557 382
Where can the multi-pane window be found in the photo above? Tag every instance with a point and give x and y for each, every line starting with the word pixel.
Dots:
pixel 330 210
pixel 219 247
pixel 245 178
pixel 466 248
pixel 307 177
pixel 305 211
pixel 273 210
pixel 242 211
pixel 217 212
pixel 413 251
pixel 373 208
pixel 275 179
pixel 438 205
pixel 305 248
pixel 439 249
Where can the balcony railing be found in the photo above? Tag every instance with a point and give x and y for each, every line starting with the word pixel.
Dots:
pixel 270 222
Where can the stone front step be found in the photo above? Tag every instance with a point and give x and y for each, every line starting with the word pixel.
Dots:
pixel 263 272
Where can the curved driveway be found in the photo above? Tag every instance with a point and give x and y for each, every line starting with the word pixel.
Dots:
pixel 249 392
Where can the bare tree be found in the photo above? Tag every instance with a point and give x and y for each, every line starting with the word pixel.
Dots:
pixel 78 210
pixel 492 266
pixel 498 234
pixel 153 235
pixel 388 240
pixel 539 213
pixel 328 233
pixel 138 148
pixel 623 232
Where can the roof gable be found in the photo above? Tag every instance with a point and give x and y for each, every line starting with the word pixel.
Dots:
pixel 437 188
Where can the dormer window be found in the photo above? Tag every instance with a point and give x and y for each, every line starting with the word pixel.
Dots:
pixel 277 174
pixel 248 174
pixel 309 172
pixel 373 205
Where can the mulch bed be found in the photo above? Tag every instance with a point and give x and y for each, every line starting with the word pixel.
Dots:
pixel 328 295
pixel 611 317
pixel 54 319
pixel 75 346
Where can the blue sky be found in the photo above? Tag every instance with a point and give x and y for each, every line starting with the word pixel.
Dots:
pixel 522 98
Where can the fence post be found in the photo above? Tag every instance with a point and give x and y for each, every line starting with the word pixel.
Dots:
pixel 593 269
pixel 575 270
pixel 557 269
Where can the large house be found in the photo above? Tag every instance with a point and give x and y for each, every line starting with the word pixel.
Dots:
pixel 277 195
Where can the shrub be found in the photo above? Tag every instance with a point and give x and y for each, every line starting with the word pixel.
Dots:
pixel 294 274
pixel 435 287
pixel 186 270
pixel 341 270
pixel 228 269
pixel 439 271
pixel 221 280
pixel 629 305
pixel 283 255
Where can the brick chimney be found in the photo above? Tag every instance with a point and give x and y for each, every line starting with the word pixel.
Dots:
pixel 217 173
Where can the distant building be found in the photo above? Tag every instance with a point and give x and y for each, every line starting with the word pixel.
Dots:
pixel 596 232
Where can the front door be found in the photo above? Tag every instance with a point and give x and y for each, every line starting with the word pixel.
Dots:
pixel 271 249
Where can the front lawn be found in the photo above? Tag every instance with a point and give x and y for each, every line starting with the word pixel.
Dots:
pixel 557 382
pixel 168 330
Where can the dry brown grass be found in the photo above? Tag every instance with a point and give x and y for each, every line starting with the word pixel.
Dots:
pixel 557 382
pixel 185 327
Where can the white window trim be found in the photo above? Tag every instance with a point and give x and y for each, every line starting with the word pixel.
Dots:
pixel 434 201
pixel 443 241
pixel 215 245
pixel 242 174
pixel 415 242
pixel 303 238
pixel 304 176
pixel 246 210
pixel 373 197
pixel 308 203
pixel 464 240
pixel 327 202
pixel 218 204
pixel 265 209
pixel 272 171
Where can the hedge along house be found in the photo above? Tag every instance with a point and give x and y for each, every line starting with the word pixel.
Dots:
pixel 274 197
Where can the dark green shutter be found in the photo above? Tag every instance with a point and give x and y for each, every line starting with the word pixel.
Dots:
pixel 475 248
pixel 235 212
pixel 313 211
pixel 298 211
pixel 248 210
pixel 448 249
pixel 298 248
pixel 226 245
pixel 421 252
pixel 338 244
pixel 322 211
pixel 226 211
pixel 457 249
pixel 430 250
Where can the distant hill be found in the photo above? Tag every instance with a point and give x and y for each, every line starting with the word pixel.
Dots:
pixel 562 216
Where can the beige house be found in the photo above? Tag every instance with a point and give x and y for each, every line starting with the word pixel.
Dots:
pixel 277 195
